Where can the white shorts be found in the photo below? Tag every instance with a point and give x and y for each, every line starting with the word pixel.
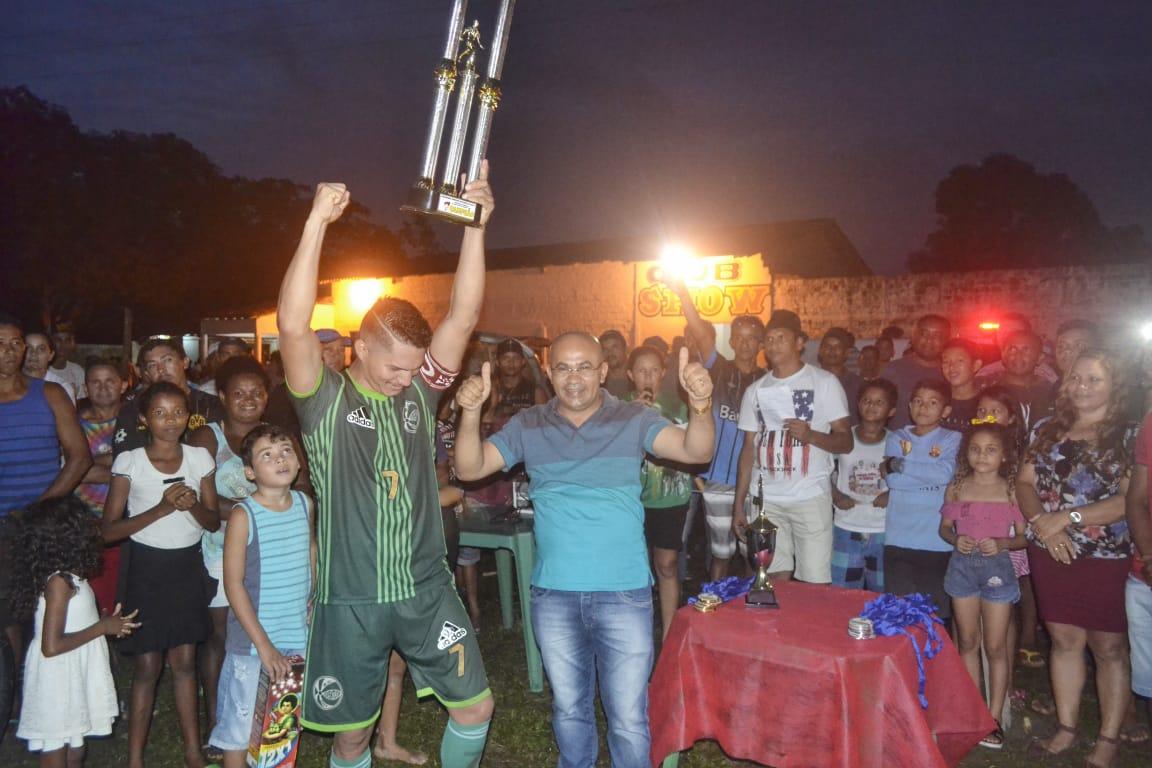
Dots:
pixel 718 500
pixel 804 541
pixel 215 569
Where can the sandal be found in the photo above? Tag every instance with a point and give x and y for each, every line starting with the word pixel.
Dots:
pixel 1135 734
pixel 1038 749
pixel 1042 704
pixel 1030 658
pixel 212 754
pixel 1114 743
pixel 994 740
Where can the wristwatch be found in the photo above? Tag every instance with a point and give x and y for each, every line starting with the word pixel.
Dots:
pixel 1075 517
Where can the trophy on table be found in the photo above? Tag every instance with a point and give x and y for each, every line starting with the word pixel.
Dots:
pixel 441 197
pixel 760 541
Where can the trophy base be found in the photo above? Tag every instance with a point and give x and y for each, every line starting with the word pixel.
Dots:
pixel 762 598
pixel 429 202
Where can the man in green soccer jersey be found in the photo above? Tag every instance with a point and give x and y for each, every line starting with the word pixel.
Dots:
pixel 382 581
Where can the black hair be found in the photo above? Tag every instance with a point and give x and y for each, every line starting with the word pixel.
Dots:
pixel 392 319
pixel 233 341
pixel 1001 394
pixel 935 385
pixel 613 332
pixel 101 362
pixel 1076 324
pixel 273 432
pixel 639 352
pixel 172 342
pixel 11 321
pixel 1008 467
pixel 751 320
pixel 40 332
pixel 241 365
pixel 934 319
pixel 51 535
pixel 971 348
pixel 290 697
pixel 884 385
pixel 145 398
pixel 1018 317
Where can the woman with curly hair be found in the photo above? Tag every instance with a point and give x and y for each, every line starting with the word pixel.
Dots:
pixel 1071 490
pixel 981 521
pixel 69 693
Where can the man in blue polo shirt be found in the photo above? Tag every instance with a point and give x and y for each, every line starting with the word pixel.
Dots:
pixel 591 584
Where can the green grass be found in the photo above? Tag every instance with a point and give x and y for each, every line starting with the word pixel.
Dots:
pixel 521 735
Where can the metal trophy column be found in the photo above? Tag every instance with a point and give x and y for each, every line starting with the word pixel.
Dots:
pixel 458 66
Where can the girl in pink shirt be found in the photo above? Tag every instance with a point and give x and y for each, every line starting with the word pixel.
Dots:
pixel 981 521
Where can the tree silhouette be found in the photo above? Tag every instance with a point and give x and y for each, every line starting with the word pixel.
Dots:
pixel 95 222
pixel 1003 213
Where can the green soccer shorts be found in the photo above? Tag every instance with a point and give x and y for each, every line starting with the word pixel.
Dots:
pixel 349 646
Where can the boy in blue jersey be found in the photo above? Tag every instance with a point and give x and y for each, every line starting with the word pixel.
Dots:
pixel 269 558
pixel 591 585
pixel 920 460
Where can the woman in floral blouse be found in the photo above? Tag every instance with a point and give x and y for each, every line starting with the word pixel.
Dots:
pixel 1071 489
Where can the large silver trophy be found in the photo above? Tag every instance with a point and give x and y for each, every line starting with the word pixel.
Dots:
pixel 441 196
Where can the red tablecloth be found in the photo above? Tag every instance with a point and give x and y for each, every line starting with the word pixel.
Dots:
pixel 789 688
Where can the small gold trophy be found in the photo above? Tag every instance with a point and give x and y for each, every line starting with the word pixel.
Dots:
pixel 760 540
pixel 442 197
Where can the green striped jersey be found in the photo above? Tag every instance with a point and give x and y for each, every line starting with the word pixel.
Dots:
pixel 372 461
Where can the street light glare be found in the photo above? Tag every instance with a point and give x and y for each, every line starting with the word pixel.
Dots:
pixel 677 259
pixel 1146 331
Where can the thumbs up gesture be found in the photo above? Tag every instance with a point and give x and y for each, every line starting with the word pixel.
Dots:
pixel 474 392
pixel 695 379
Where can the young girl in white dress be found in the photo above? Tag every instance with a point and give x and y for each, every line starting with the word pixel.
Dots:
pixel 69 694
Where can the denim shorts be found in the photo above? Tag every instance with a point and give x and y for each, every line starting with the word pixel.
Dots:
pixel 1138 599
pixel 235 701
pixel 991 578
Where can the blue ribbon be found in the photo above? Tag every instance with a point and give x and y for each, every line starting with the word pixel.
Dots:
pixel 725 589
pixel 892 615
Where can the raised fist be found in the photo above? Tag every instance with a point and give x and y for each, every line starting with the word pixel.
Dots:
pixel 474 392
pixel 330 201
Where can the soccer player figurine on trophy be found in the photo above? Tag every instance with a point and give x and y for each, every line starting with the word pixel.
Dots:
pixel 441 197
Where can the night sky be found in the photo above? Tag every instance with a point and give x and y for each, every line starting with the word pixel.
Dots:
pixel 629 117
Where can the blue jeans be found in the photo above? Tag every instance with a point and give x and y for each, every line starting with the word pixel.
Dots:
pixel 588 635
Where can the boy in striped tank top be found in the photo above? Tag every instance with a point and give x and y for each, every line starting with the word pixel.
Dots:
pixel 269 557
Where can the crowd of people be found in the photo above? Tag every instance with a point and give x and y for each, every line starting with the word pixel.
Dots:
pixel 308 505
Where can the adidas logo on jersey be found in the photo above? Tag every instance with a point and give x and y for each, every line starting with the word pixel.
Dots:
pixel 359 417
pixel 450 634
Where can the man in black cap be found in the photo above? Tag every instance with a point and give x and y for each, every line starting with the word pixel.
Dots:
pixel 793 418
pixel 512 391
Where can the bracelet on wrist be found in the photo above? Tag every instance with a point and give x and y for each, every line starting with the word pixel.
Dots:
pixel 702 409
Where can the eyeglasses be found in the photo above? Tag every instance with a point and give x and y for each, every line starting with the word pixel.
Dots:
pixel 584 369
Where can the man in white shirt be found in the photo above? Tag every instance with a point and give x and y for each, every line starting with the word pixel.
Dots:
pixel 793 419
pixel 63 369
